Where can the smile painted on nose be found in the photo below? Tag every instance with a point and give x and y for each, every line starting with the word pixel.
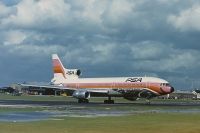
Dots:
pixel 166 88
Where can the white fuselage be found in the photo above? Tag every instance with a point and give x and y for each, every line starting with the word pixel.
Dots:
pixel 150 83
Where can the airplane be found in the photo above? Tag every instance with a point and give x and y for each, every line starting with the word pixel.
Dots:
pixel 130 88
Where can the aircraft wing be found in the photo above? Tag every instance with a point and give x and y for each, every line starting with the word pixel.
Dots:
pixel 43 86
pixel 57 87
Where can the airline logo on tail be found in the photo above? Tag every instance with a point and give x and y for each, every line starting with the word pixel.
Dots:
pixel 61 72
pixel 57 66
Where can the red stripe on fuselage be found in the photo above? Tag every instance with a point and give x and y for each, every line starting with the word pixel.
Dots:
pixel 121 85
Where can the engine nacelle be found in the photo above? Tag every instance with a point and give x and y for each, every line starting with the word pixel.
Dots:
pixel 131 98
pixel 72 72
pixel 81 94
pixel 146 94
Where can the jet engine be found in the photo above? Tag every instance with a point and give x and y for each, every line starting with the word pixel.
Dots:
pixel 81 94
pixel 73 72
pixel 146 94
pixel 131 98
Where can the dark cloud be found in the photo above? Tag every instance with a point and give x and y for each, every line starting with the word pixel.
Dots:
pixel 153 38
pixel 10 2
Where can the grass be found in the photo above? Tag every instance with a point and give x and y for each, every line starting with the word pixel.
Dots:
pixel 149 122
pixel 140 123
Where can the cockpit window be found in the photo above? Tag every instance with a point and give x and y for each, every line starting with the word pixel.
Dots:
pixel 164 84
pixel 167 84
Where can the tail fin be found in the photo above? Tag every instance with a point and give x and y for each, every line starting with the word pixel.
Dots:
pixel 58 68
pixel 61 73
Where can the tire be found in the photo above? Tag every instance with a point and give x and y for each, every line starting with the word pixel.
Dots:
pixel 83 101
pixel 109 102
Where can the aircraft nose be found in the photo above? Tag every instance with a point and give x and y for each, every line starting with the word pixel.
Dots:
pixel 172 89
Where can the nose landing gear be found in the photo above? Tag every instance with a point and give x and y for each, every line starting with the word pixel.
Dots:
pixel 148 102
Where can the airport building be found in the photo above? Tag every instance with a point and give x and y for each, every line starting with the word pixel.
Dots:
pixel 197 93
pixel 6 90
pixel 183 95
pixel 180 95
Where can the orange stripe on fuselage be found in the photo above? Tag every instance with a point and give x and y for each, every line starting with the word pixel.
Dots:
pixel 154 87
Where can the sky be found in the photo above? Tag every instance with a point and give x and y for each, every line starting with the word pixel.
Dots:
pixel 108 38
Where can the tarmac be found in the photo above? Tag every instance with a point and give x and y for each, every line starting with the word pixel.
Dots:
pixel 63 103
pixel 58 110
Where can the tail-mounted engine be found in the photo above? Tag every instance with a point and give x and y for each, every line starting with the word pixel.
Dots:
pixel 73 72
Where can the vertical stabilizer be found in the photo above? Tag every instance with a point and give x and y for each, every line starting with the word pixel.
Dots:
pixel 61 74
pixel 58 68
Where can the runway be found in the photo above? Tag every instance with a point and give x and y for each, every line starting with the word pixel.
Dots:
pixel 30 110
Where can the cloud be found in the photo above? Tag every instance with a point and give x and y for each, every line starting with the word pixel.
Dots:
pixel 5 11
pixel 34 14
pixel 148 50
pixel 14 37
pixel 118 12
pixel 103 38
pixel 92 16
pixel 92 54
pixel 158 57
pixel 187 20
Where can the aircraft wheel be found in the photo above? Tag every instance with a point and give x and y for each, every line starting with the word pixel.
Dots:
pixel 108 101
pixel 83 101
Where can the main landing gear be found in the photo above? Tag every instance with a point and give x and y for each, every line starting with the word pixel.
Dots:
pixel 83 101
pixel 109 101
